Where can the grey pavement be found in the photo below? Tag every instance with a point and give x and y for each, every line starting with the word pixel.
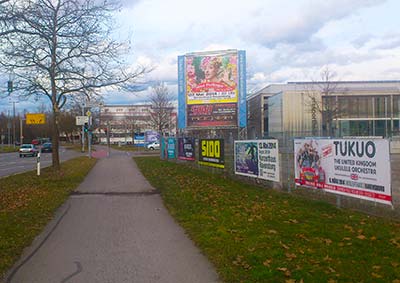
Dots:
pixel 115 228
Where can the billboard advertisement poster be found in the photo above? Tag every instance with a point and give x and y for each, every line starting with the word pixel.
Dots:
pixel 208 78
pixel 211 152
pixel 246 158
pixel 212 78
pixel 257 158
pixel 151 136
pixel 268 160
pixel 358 168
pixel 186 149
pixel 138 139
pixel 211 115
pixel 171 148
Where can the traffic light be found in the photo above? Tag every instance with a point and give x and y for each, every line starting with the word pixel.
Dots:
pixel 9 86
pixel 86 127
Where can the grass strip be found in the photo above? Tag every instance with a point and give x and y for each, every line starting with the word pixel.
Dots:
pixel 7 149
pixel 28 203
pixel 253 234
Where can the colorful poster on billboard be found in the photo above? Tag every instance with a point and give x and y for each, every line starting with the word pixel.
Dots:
pixel 211 152
pixel 212 78
pixel 257 158
pixel 186 149
pixel 353 167
pixel 209 115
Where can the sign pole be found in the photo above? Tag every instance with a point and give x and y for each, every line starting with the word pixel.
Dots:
pixel 90 137
pixel 83 130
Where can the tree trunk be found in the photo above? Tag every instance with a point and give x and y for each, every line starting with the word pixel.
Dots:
pixel 55 141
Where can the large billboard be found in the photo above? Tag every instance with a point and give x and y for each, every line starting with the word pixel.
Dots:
pixel 211 89
pixel 353 167
pixel 257 158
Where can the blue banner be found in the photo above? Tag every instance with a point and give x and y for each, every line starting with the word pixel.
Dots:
pixel 181 93
pixel 171 148
pixel 242 89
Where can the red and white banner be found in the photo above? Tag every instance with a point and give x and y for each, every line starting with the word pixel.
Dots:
pixel 353 167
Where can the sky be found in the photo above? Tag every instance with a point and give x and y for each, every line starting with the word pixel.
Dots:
pixel 284 40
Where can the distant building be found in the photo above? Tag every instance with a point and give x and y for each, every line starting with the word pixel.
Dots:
pixel 123 121
pixel 347 108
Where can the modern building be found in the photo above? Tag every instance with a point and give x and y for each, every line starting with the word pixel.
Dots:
pixel 336 108
pixel 121 122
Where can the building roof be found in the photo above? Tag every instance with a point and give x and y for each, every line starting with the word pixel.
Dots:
pixel 341 86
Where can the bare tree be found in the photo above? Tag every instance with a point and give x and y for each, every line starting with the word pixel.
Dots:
pixel 67 124
pixel 322 101
pixel 161 108
pixel 7 18
pixel 63 48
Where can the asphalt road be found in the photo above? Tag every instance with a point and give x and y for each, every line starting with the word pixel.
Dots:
pixel 11 163
pixel 114 228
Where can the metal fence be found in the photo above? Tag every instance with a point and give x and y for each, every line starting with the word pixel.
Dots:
pixel 287 174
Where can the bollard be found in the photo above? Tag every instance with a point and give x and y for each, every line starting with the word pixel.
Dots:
pixel 38 163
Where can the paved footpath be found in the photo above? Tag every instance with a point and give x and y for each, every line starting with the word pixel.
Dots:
pixel 113 229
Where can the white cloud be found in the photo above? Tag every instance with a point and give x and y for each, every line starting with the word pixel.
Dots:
pixel 285 40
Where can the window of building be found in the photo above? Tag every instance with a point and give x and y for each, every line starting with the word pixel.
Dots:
pixel 364 107
pixel 380 127
pixel 355 107
pixel 380 107
pixel 396 128
pixel 396 106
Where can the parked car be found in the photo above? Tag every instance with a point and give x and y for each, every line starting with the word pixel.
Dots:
pixel 153 145
pixel 28 150
pixel 39 141
pixel 47 147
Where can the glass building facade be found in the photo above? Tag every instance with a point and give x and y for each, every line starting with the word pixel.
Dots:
pixel 357 108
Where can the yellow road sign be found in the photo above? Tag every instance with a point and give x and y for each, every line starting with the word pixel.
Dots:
pixel 35 118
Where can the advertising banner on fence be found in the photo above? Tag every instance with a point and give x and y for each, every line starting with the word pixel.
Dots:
pixel 257 158
pixel 171 148
pixel 186 149
pixel 211 152
pixel 353 167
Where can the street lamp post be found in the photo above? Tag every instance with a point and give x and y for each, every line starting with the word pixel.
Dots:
pixel 13 123
pixel 8 129
pixel 21 134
